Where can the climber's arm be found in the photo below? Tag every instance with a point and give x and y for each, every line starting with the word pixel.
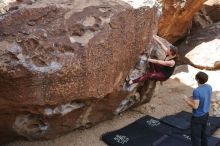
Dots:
pixel 170 63
pixel 161 44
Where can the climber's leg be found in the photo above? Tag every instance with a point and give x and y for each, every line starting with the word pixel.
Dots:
pixel 158 76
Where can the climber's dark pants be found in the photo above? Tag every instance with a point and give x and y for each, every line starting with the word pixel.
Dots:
pixel 154 73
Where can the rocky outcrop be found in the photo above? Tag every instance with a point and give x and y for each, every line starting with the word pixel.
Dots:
pixel 200 21
pixel 176 20
pixel 209 14
pixel 212 9
pixel 4 6
pixel 202 49
pixel 63 64
pixel 216 105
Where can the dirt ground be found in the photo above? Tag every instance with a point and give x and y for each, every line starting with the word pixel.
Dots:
pixel 168 99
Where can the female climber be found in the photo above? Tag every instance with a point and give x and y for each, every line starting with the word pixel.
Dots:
pixel 160 70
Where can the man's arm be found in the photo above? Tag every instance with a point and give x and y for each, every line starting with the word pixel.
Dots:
pixel 192 103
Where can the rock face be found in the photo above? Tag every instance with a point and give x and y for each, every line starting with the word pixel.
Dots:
pixel 216 105
pixel 176 20
pixel 4 6
pixel 212 9
pixel 202 49
pixel 209 14
pixel 63 64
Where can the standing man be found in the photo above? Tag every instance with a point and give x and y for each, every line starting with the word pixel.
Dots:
pixel 200 102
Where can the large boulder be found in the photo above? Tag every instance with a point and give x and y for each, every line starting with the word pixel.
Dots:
pixel 202 49
pixel 63 63
pixel 176 19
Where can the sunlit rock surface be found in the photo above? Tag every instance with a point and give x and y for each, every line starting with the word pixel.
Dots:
pixel 186 74
pixel 63 64
pixel 216 104
pixel 5 5
pixel 202 49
